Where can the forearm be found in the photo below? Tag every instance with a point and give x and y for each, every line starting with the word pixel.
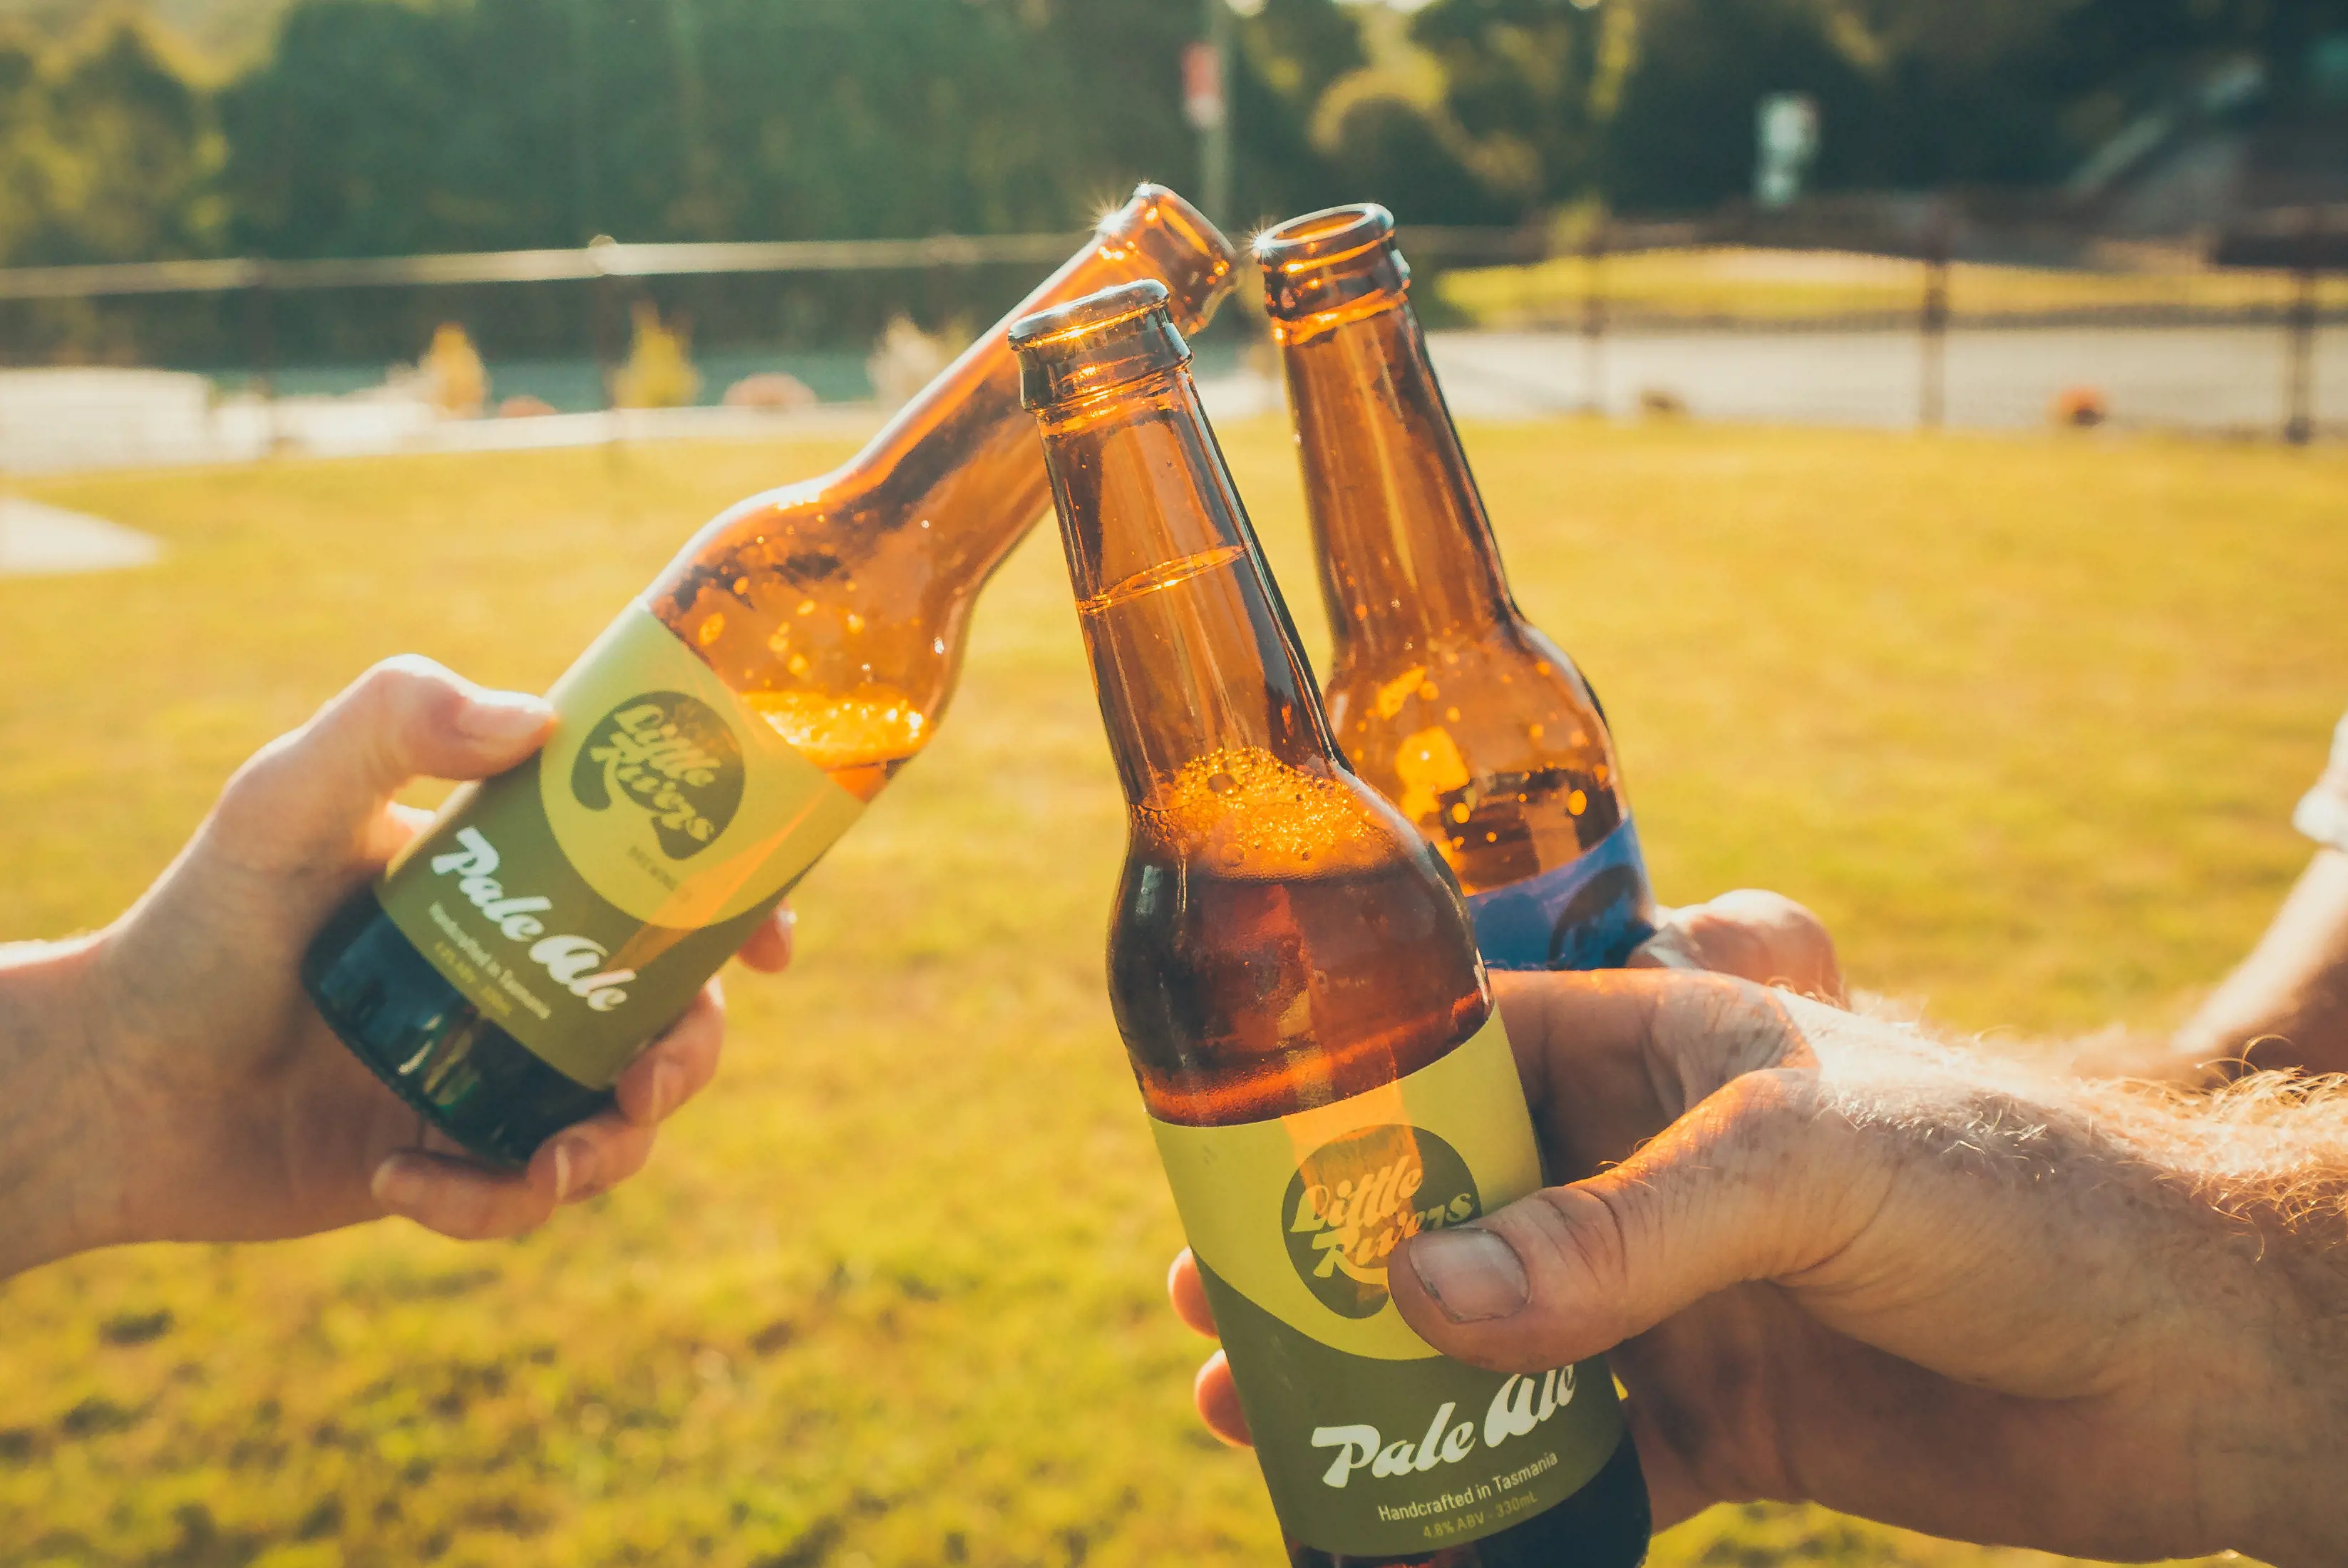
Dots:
pixel 2286 1005
pixel 55 1167
pixel 2173 1266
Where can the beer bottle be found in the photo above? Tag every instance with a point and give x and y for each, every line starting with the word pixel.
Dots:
pixel 1297 984
pixel 1442 694
pixel 715 740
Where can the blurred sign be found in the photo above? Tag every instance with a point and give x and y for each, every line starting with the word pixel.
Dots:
pixel 1203 85
pixel 1786 143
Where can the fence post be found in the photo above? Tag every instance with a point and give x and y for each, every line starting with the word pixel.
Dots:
pixel 1933 402
pixel 2298 427
pixel 601 308
pixel 260 344
pixel 1593 315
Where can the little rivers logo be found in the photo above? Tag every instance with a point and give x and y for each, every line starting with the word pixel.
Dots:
pixel 1354 1201
pixel 672 755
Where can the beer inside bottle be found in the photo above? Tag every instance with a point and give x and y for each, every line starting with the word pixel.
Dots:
pixel 1297 984
pixel 1442 694
pixel 728 727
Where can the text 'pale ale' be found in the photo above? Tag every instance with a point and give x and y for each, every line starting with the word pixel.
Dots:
pixel 1297 983
pixel 729 727
pixel 1441 692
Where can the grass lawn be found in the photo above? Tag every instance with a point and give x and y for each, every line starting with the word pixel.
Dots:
pixel 1729 284
pixel 2025 719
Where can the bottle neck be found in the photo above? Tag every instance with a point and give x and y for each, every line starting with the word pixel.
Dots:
pixel 845 598
pixel 1407 555
pixel 1192 650
pixel 954 473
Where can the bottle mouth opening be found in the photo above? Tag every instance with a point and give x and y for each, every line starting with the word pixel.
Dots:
pixel 1325 238
pixel 1341 260
pixel 1182 245
pixel 1090 345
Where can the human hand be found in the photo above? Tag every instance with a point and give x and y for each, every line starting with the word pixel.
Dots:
pixel 1764 937
pixel 191 1087
pixel 1834 1262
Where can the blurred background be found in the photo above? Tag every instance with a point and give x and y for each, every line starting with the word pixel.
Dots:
pixel 1920 418
pixel 1855 212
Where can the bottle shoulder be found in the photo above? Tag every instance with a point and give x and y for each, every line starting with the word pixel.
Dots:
pixel 1495 748
pixel 1244 998
pixel 1508 703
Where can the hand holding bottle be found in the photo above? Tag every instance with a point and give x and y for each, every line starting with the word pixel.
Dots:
pixel 170 1082
pixel 1833 1260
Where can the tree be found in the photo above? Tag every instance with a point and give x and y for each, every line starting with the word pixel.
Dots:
pixel 105 154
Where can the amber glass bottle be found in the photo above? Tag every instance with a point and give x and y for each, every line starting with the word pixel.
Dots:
pixel 1442 694
pixel 1297 983
pixel 717 738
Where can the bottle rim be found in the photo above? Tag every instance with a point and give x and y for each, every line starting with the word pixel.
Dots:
pixel 1096 343
pixel 1333 265
pixel 1325 238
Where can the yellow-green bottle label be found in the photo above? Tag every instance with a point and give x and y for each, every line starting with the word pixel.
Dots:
pixel 1372 1443
pixel 582 899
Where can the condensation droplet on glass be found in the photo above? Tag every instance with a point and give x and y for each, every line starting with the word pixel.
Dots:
pixel 1541 667
pixel 1426 692
pixel 1535 731
pixel 1491 838
pixel 712 629
pixel 1577 803
pixel 779 642
pixel 937 644
pixel 742 586
pixel 1460 813
pixel 855 622
pixel 799 665
pixel 807 606
pixel 1451 715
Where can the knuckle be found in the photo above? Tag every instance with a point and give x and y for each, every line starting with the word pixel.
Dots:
pixel 1587 1230
pixel 398 687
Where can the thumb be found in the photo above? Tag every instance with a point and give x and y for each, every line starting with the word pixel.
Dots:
pixel 1753 1183
pixel 320 791
pixel 1764 937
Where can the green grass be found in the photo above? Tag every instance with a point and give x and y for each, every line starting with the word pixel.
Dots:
pixel 2023 719
pixel 1729 284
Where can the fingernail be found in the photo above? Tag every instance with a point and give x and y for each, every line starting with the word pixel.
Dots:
pixel 574 1168
pixel 398 1185
pixel 502 715
pixel 786 916
pixel 1667 949
pixel 1471 1274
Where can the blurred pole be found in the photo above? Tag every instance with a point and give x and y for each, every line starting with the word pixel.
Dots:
pixel 1206 103
pixel 1932 410
pixel 1593 314
pixel 582 116
pixel 2299 428
pixel 604 298
pixel 260 346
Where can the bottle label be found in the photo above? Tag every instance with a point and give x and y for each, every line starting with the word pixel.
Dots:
pixel 1588 914
pixel 1372 1443
pixel 581 898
